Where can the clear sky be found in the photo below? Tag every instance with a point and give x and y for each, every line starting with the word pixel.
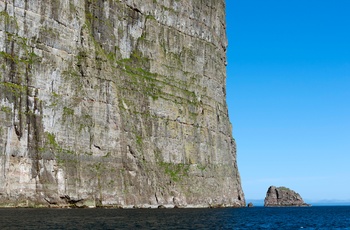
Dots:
pixel 288 93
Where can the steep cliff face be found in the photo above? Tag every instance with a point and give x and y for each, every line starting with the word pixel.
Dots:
pixel 115 102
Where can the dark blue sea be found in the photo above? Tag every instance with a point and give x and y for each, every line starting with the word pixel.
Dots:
pixel 230 218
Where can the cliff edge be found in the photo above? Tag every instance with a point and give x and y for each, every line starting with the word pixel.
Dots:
pixel 115 103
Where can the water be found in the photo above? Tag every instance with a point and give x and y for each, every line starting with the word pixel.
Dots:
pixel 242 218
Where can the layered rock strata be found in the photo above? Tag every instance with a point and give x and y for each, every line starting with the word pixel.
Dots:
pixel 115 103
pixel 282 196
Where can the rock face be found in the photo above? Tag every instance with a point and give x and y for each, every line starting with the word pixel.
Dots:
pixel 282 196
pixel 117 103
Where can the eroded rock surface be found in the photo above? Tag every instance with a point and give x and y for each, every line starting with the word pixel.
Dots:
pixel 115 103
pixel 282 196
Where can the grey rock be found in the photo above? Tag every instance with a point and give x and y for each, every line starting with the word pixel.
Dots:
pixel 115 103
pixel 282 196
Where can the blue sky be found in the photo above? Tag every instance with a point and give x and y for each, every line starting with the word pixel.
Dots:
pixel 288 91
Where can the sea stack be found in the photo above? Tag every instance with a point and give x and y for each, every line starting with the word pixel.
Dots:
pixel 282 197
pixel 115 103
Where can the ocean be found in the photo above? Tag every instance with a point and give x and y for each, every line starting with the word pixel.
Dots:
pixel 324 217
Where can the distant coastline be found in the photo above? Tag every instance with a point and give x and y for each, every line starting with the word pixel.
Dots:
pixel 260 202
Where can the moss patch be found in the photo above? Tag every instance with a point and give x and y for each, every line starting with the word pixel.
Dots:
pixel 175 171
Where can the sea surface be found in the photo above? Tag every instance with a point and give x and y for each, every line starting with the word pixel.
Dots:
pixel 325 217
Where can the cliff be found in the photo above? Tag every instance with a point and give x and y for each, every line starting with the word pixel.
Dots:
pixel 282 196
pixel 115 103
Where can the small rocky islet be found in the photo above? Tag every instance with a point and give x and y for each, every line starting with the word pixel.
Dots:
pixel 283 197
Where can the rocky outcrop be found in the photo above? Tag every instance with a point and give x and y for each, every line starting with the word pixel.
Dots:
pixel 115 103
pixel 282 196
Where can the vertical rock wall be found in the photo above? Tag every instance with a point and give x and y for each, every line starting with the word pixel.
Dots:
pixel 115 102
